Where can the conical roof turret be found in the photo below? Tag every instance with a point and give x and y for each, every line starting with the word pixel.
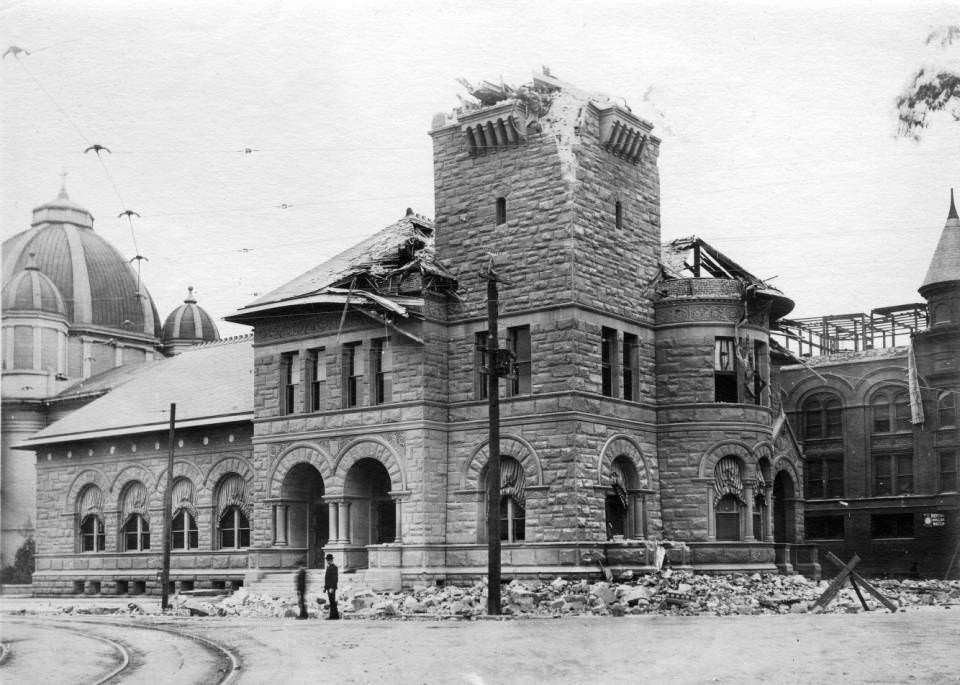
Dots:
pixel 945 265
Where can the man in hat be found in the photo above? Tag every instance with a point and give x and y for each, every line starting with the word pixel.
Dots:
pixel 330 586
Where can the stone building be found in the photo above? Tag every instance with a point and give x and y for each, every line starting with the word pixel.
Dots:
pixel 76 321
pixel 641 415
pixel 879 428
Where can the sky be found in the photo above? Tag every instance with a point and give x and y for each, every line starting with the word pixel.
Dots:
pixel 777 121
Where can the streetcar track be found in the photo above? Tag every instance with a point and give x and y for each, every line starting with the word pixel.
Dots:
pixel 220 652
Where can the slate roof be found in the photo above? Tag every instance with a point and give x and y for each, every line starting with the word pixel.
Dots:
pixel 210 384
pixel 945 265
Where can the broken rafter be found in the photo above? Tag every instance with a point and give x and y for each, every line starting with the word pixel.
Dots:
pixel 387 322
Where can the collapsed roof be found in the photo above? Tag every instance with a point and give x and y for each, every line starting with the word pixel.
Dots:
pixel 390 271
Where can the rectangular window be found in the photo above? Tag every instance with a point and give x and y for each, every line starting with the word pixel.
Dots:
pixel 290 368
pixel 518 338
pixel 824 476
pixel 631 357
pixel 725 371
pixel 480 382
pixel 824 527
pixel 380 370
pixel 891 525
pixel 352 372
pixel 608 353
pixel 892 474
pixel 501 210
pixel 760 372
pixel 948 470
pixel 318 379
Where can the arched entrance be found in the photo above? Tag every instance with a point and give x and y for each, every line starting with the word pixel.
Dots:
pixel 305 522
pixel 784 512
pixel 373 514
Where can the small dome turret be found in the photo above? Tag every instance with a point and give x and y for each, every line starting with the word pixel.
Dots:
pixel 31 291
pixel 188 324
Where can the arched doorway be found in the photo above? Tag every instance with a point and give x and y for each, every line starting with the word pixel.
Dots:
pixel 373 514
pixel 784 513
pixel 305 522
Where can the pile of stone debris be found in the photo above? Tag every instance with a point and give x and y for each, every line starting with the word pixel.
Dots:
pixel 670 592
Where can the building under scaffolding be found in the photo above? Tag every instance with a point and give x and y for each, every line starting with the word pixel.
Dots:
pixel 882 327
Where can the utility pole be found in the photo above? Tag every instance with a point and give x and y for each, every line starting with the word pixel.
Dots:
pixel 167 514
pixel 498 365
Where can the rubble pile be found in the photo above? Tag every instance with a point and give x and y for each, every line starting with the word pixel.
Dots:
pixel 670 592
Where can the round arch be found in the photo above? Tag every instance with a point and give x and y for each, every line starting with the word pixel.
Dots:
pixel 783 463
pixel 298 453
pixel 729 448
pixel 89 476
pixel 874 380
pixel 368 448
pixel 829 383
pixel 622 446
pixel 510 445
pixel 227 465
pixel 134 472
pixel 183 469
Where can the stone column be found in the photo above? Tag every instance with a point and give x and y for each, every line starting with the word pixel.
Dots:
pixel 748 495
pixel 769 515
pixel 344 527
pixel 711 516
pixel 333 528
pixel 280 524
pixel 398 537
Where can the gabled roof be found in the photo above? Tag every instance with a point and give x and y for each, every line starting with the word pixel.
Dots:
pixel 210 384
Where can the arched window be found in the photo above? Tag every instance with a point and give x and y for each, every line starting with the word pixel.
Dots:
pixel 947 410
pixel 233 522
pixel 234 529
pixel 891 411
pixel 822 417
pixel 513 511
pixel 728 491
pixel 92 537
pixel 90 515
pixel 184 529
pixel 136 533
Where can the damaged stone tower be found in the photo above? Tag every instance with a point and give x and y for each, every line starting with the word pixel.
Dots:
pixel 561 189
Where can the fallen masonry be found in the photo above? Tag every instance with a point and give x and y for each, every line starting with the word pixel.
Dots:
pixel 670 592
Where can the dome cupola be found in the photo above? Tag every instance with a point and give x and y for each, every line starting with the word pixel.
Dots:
pixel 189 324
pixel 31 291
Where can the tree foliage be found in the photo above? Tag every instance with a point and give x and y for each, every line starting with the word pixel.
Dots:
pixel 23 564
pixel 932 89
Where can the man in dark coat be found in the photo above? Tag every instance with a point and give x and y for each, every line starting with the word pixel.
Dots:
pixel 330 586
pixel 302 590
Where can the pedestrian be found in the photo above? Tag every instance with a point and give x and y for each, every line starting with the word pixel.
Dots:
pixel 301 582
pixel 330 586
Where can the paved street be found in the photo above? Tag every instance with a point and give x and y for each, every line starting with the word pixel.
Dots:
pixel 912 646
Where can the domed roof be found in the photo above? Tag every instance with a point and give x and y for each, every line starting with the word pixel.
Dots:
pixel 30 290
pixel 189 323
pixel 99 287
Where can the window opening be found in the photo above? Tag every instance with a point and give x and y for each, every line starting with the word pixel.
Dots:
pixel 631 356
pixel 380 370
pixel 501 210
pixel 234 529
pixel 948 470
pixel 92 536
pixel 728 518
pixel 291 380
pixel 184 529
pixel 136 534
pixel 618 213
pixel 318 379
pixel 891 525
pixel 352 374
pixel 893 474
pixel 512 520
pixel 824 527
pixel 519 342
pixel 947 410
pixel 725 371
pixel 608 351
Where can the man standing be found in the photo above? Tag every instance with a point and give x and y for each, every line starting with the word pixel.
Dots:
pixel 302 590
pixel 330 586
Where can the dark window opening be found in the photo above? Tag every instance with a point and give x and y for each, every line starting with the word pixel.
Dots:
pixel 725 371
pixel 519 341
pixel 608 352
pixel 893 474
pixel 512 520
pixel 891 525
pixel 290 364
pixel 184 529
pixel 352 374
pixel 501 210
pixel 728 518
pixel 616 516
pixel 318 379
pixel 824 476
pixel 824 527
pixel 947 410
pixel 136 534
pixel 618 213
pixel 948 470
pixel 480 381
pixel 92 536
pixel 380 370
pixel 631 356
pixel 234 529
